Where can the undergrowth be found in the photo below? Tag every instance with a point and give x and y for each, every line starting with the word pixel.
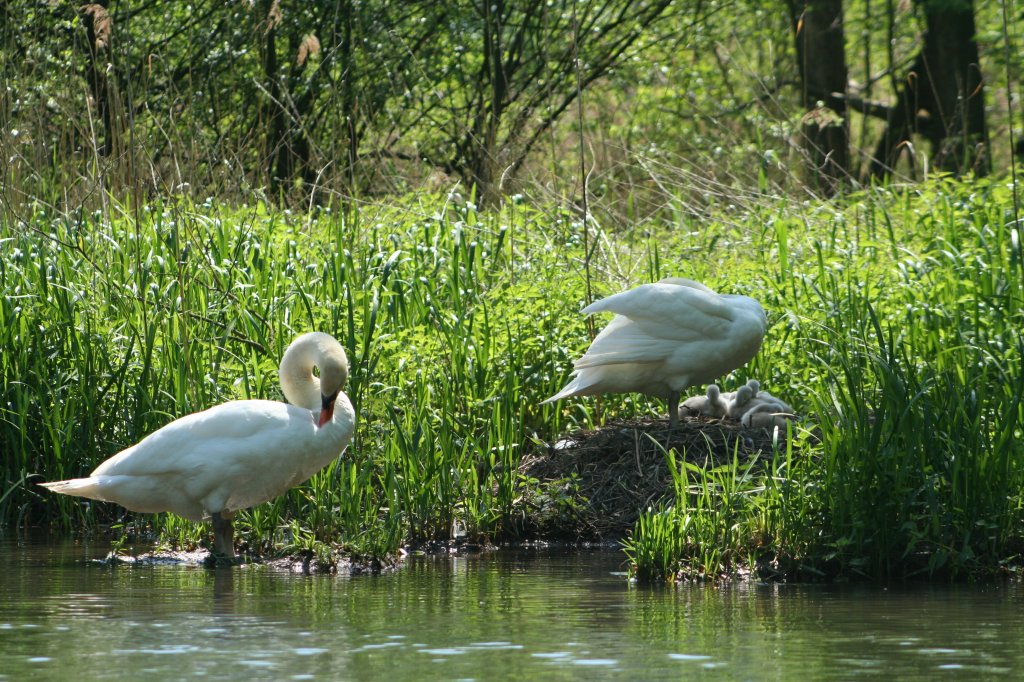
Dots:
pixel 907 310
pixel 894 332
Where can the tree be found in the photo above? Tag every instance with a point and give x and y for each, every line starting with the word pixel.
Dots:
pixel 98 27
pixel 942 95
pixel 821 59
pixel 515 68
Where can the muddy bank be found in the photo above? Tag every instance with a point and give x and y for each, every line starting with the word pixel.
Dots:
pixel 333 563
pixel 592 485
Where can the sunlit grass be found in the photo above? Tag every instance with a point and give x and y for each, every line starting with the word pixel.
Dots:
pixel 901 326
pixel 894 318
pixel 117 325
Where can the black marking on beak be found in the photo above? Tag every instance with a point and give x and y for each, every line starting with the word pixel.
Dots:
pixel 327 408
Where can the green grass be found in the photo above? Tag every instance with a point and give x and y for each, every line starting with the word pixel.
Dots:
pixel 895 321
pixel 899 338
pixel 116 325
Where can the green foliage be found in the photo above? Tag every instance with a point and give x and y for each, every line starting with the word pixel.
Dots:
pixel 894 330
pixel 900 325
pixel 116 325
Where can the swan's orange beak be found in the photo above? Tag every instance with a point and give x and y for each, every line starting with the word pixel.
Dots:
pixel 327 408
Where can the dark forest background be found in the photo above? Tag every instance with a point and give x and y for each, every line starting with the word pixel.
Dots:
pixel 322 102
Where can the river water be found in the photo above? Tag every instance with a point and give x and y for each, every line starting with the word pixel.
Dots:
pixel 522 615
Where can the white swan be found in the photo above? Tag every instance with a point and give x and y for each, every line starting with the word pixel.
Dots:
pixel 665 337
pixel 237 454
pixel 710 404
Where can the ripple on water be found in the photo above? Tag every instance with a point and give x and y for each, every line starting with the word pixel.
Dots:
pixel 256 663
pixel 939 651
pixel 378 645
pixel 495 645
pixel 164 650
pixel 444 651
pixel 595 661
pixel 689 657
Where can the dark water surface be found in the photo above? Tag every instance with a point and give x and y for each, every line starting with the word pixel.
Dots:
pixel 502 616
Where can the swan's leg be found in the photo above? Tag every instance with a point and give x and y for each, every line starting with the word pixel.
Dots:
pixel 673 409
pixel 223 536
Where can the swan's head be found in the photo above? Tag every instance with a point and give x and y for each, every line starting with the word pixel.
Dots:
pixel 333 365
pixel 755 386
pixel 301 387
pixel 743 395
pixel 714 392
pixel 331 381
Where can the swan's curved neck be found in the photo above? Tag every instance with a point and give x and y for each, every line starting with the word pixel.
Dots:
pixel 300 386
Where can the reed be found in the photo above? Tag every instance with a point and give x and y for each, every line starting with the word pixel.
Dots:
pixel 895 319
pixel 900 329
pixel 119 323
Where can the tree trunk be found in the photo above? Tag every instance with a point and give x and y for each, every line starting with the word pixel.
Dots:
pixel 942 98
pixel 482 144
pixel 348 95
pixel 98 27
pixel 822 62
pixel 275 114
pixel 288 146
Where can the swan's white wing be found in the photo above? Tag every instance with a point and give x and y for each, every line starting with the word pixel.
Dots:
pixel 684 282
pixel 193 440
pixel 623 340
pixel 670 311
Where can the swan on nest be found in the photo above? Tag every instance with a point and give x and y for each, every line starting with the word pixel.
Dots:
pixel 664 338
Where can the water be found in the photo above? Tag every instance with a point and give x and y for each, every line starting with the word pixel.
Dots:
pixel 501 616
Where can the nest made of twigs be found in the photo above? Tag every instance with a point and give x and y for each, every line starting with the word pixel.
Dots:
pixel 616 472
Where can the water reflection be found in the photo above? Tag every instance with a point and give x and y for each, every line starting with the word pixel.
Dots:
pixel 510 616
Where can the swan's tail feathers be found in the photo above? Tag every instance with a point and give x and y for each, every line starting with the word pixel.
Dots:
pixel 579 384
pixel 79 487
pixel 558 396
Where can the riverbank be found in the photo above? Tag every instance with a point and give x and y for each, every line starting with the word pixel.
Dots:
pixel 894 319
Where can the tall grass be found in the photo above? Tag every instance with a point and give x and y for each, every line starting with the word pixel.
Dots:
pixel 895 321
pixel 900 342
pixel 116 324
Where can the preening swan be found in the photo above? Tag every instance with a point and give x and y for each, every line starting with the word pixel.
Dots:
pixel 665 337
pixel 237 454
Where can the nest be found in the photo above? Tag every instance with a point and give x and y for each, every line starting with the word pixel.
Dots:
pixel 598 482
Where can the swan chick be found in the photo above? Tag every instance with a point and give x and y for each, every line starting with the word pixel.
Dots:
pixel 738 404
pixel 766 415
pixel 762 397
pixel 710 404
